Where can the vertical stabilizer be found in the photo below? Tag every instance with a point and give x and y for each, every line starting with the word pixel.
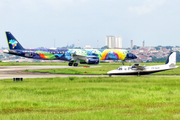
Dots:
pixel 171 59
pixel 12 42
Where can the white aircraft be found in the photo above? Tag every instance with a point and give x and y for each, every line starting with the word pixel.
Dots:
pixel 137 69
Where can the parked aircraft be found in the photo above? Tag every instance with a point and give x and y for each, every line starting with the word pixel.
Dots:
pixel 74 56
pixel 137 69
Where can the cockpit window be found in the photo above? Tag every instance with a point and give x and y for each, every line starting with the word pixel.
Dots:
pixel 130 55
pixel 133 66
pixel 119 68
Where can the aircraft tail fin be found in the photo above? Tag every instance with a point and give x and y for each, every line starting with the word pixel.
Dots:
pixel 12 42
pixel 171 60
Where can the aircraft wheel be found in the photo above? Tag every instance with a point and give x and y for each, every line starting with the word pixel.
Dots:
pixel 70 64
pixel 75 64
pixel 138 74
pixel 109 75
pixel 123 62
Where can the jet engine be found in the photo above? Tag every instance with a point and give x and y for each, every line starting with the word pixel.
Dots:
pixel 91 60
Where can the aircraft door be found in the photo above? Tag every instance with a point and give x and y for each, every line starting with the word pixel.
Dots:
pixel 31 54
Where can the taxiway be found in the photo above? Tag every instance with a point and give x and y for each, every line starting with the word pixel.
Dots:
pixel 8 72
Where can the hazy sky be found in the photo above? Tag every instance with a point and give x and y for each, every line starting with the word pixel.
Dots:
pixel 37 23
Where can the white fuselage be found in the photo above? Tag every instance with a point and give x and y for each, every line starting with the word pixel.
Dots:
pixel 129 70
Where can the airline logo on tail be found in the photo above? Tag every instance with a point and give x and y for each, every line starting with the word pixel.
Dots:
pixel 13 43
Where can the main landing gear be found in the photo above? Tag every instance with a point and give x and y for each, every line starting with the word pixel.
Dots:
pixel 123 62
pixel 75 64
pixel 71 63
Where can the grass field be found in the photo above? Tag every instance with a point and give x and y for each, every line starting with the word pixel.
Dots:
pixel 104 69
pixel 98 70
pixel 23 64
pixel 118 98
pixel 56 63
pixel 43 63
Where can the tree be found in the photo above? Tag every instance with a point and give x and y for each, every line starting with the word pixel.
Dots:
pixel 77 47
pixel 135 47
pixel 177 56
pixel 105 47
pixel 154 59
pixel 169 47
pixel 157 48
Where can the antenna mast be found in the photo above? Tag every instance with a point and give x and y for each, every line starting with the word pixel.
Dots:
pixel 78 42
pixel 54 43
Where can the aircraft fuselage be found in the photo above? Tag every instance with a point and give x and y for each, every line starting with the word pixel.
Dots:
pixel 128 70
pixel 66 54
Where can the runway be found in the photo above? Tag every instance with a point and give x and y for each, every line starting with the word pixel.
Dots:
pixel 9 72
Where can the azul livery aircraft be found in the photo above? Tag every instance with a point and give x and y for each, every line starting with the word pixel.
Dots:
pixel 136 69
pixel 74 56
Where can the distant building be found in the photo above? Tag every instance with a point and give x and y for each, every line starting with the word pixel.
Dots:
pixel 143 44
pixel 87 47
pixel 176 49
pixel 114 41
pixel 131 44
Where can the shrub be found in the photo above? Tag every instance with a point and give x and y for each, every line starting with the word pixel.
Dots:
pixel 72 78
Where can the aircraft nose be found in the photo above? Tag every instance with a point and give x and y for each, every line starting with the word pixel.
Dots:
pixel 131 56
pixel 110 72
pixel 134 56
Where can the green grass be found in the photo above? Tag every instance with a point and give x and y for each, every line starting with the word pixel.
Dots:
pixel 91 98
pixel 97 70
pixel 65 63
pixel 23 64
pixel 42 63
pixel 104 69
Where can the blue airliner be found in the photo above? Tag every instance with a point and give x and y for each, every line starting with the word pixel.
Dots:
pixel 74 56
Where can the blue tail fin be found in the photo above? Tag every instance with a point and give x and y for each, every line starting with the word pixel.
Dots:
pixel 12 42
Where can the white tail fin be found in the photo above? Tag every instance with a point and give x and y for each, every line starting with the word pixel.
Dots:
pixel 171 61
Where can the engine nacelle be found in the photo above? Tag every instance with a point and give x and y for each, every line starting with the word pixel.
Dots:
pixel 91 60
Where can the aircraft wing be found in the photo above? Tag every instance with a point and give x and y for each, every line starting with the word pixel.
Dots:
pixel 87 59
pixel 139 67
pixel 79 57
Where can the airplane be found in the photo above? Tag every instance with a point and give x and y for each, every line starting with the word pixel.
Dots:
pixel 137 69
pixel 74 56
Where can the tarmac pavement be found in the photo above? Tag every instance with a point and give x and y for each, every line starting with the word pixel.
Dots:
pixel 9 72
